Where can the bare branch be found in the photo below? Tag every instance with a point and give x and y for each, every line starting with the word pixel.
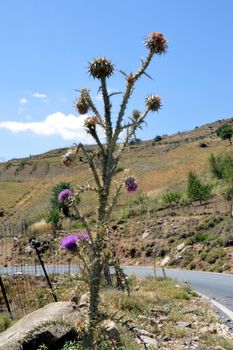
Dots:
pixel 92 166
pixel 84 221
pixel 128 92
pixel 87 96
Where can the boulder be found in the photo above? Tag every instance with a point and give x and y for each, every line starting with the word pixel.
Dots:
pixel 180 246
pixel 49 325
pixel 183 324
pixel 146 234
pixel 147 341
pixel 165 261
pixel 145 337
pixel 112 331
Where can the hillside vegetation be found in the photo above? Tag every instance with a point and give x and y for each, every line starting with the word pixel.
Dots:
pixel 191 236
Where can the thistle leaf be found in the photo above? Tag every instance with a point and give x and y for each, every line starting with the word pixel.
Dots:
pixel 147 75
pixel 122 72
pixel 115 93
pixel 100 88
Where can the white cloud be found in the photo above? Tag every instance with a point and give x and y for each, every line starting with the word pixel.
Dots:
pixel 23 101
pixel 69 127
pixel 39 95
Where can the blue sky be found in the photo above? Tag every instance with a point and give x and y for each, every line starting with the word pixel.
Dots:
pixel 46 45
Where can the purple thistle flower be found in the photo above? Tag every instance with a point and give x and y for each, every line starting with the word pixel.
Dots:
pixel 70 243
pixel 64 195
pixel 131 184
pixel 83 236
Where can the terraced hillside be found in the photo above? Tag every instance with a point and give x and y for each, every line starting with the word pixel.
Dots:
pixel 25 184
pixel 196 236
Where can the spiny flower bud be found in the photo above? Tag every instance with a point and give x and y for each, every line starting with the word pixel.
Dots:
pixel 130 78
pixel 131 184
pixel 81 106
pixel 156 42
pixel 101 67
pixel 91 122
pixel 153 102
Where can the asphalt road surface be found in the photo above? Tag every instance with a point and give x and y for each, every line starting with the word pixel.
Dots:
pixel 214 285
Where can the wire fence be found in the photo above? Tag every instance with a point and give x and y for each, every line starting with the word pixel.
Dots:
pixel 29 270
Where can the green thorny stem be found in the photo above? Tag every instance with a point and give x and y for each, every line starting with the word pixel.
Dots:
pixel 128 92
pixel 107 172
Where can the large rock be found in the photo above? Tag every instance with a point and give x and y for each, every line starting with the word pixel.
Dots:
pixel 48 325
pixel 110 328
pixel 180 247
pixel 165 261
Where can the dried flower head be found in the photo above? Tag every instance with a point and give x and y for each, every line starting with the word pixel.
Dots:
pixel 101 67
pixel 91 122
pixel 153 102
pixel 64 195
pixel 70 155
pixel 67 158
pixel 81 105
pixel 70 243
pixel 131 184
pixel 156 42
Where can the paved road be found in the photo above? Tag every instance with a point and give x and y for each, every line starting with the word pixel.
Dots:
pixel 214 285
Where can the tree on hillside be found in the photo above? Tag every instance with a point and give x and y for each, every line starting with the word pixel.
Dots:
pixel 221 167
pixel 228 195
pixel 216 164
pixel 171 198
pixel 225 132
pixel 196 190
pixel 157 138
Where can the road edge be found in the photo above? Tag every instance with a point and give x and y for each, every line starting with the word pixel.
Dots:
pixel 218 305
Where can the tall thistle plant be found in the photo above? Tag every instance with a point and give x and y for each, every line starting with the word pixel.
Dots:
pixel 108 154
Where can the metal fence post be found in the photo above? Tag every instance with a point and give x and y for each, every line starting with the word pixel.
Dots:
pixel 34 243
pixel 5 297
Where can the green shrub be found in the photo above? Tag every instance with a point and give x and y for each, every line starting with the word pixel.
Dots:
pixel 5 322
pixel 196 190
pixel 171 198
pixel 71 345
pixel 187 258
pixel 157 138
pixel 190 241
pixel 203 254
pixel 149 251
pixel 200 236
pixel 225 132
pixel 214 255
pixel 53 216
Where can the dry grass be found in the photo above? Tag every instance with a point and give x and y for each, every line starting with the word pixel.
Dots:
pixel 159 167
pixel 41 227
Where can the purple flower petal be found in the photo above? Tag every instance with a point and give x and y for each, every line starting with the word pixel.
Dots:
pixel 64 195
pixel 131 184
pixel 70 243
